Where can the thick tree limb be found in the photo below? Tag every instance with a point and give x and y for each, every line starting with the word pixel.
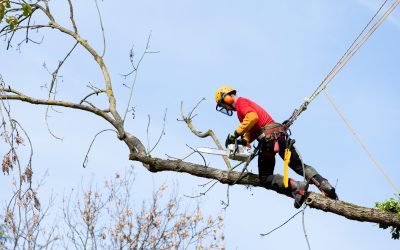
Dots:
pixel 314 200
pixel 351 211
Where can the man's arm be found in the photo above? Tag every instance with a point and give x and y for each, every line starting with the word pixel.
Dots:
pixel 244 127
pixel 247 124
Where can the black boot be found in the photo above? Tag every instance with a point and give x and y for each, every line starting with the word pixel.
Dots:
pixel 298 191
pixel 324 186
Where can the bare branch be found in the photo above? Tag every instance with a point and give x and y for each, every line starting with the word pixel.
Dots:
pixel 24 98
pixel 135 71
pixel 102 28
pixel 85 162
pixel 188 120
pixel 55 72
pixel 203 193
pixel 97 92
pixel 284 223
pixel 161 134
pixel 71 16
pixel 196 151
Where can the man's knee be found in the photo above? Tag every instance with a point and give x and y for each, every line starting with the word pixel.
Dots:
pixel 310 172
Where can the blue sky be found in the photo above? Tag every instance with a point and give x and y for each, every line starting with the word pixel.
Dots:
pixel 274 52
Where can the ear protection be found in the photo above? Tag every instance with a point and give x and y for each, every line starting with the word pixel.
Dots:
pixel 228 99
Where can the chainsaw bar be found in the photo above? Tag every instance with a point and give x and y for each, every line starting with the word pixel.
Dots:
pixel 214 151
pixel 239 153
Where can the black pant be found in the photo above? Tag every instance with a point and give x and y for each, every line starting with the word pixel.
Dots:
pixel 266 164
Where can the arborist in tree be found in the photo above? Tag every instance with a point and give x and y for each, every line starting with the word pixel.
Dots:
pixel 257 124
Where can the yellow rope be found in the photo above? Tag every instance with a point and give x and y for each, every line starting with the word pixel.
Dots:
pixel 357 137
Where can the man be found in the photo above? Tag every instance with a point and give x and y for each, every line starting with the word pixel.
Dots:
pixel 257 124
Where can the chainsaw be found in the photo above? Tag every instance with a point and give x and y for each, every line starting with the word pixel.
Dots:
pixel 235 152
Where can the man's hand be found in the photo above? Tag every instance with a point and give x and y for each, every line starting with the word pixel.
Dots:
pixel 230 140
pixel 285 123
pixel 242 142
pixel 233 138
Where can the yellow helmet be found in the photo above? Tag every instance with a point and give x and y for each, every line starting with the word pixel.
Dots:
pixel 224 100
pixel 222 91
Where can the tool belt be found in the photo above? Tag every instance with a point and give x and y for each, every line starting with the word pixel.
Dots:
pixel 271 131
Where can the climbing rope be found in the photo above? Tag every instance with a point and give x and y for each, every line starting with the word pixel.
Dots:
pixel 357 137
pixel 354 47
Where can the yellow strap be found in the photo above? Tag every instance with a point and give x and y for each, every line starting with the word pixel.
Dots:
pixel 286 162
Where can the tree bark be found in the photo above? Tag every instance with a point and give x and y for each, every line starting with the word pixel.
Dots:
pixel 313 200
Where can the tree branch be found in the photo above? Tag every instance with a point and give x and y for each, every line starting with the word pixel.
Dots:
pixel 24 98
pixel 188 120
pixel 317 201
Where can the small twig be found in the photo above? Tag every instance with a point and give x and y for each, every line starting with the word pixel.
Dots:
pixel 194 150
pixel 194 108
pixel 135 70
pixel 203 193
pixel 60 64
pixel 182 159
pixel 30 40
pixel 173 157
pixel 205 184
pixel 71 16
pixel 162 131
pixel 96 92
pixel 266 234
pixel 102 28
pixel 85 162
pixel 132 54
pixel 147 133
pixel 48 126
pixel 226 204
pixel 9 40
pixel 27 29
pixel 53 85
pixel 89 103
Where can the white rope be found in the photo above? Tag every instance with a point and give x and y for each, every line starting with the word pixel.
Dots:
pixel 354 47
pixel 362 144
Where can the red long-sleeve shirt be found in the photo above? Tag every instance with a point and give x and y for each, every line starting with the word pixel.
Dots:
pixel 252 118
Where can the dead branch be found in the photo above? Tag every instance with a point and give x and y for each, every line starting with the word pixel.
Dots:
pixel 188 120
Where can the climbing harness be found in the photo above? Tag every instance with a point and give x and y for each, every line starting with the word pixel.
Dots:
pixel 272 132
